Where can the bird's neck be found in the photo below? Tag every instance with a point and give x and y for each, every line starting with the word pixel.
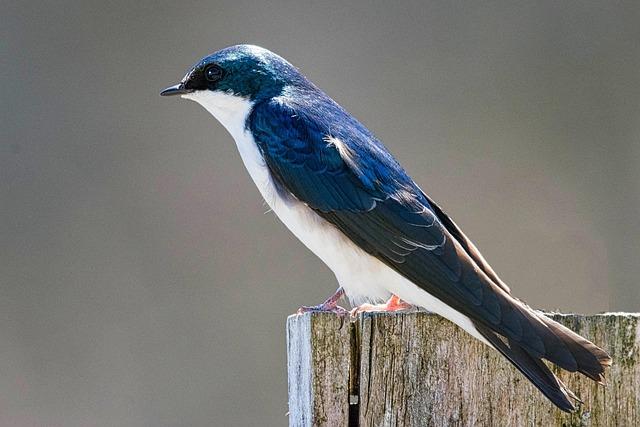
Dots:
pixel 230 110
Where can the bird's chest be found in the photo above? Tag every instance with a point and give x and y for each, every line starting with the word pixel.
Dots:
pixel 354 268
pixel 316 233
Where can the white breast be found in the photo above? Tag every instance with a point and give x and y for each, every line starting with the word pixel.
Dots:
pixel 363 277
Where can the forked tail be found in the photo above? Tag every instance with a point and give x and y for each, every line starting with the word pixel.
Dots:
pixel 586 358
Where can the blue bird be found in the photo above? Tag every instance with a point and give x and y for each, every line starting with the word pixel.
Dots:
pixel 339 190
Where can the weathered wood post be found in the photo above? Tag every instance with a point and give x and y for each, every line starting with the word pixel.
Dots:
pixel 417 369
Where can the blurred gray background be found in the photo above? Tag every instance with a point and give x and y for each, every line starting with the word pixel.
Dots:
pixel 142 283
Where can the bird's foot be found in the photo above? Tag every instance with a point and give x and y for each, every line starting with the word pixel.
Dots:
pixel 394 304
pixel 329 306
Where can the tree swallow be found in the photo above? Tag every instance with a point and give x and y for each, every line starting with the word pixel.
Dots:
pixel 339 190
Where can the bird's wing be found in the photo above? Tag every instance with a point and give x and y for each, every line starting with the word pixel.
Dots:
pixel 336 167
pixel 370 199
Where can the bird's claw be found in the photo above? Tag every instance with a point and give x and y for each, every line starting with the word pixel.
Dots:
pixel 329 306
pixel 394 304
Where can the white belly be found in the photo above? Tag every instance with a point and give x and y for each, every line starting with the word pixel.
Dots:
pixel 363 277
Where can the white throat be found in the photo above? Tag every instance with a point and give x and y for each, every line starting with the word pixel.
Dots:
pixel 230 110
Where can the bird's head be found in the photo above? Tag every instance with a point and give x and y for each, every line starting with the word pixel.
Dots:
pixel 228 81
pixel 244 70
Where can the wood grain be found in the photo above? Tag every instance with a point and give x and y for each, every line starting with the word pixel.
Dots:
pixel 318 366
pixel 418 369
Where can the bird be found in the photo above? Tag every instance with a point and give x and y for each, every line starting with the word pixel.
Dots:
pixel 339 190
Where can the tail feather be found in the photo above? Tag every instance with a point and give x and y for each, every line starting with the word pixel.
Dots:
pixel 563 347
pixel 544 338
pixel 590 359
pixel 532 368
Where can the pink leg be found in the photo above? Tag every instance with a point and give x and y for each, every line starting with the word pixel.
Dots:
pixel 330 305
pixel 394 304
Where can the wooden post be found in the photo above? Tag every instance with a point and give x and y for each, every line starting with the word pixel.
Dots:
pixel 418 369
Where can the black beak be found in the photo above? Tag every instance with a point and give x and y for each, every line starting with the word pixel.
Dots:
pixel 178 89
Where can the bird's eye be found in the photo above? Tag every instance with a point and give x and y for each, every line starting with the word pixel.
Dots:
pixel 213 73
